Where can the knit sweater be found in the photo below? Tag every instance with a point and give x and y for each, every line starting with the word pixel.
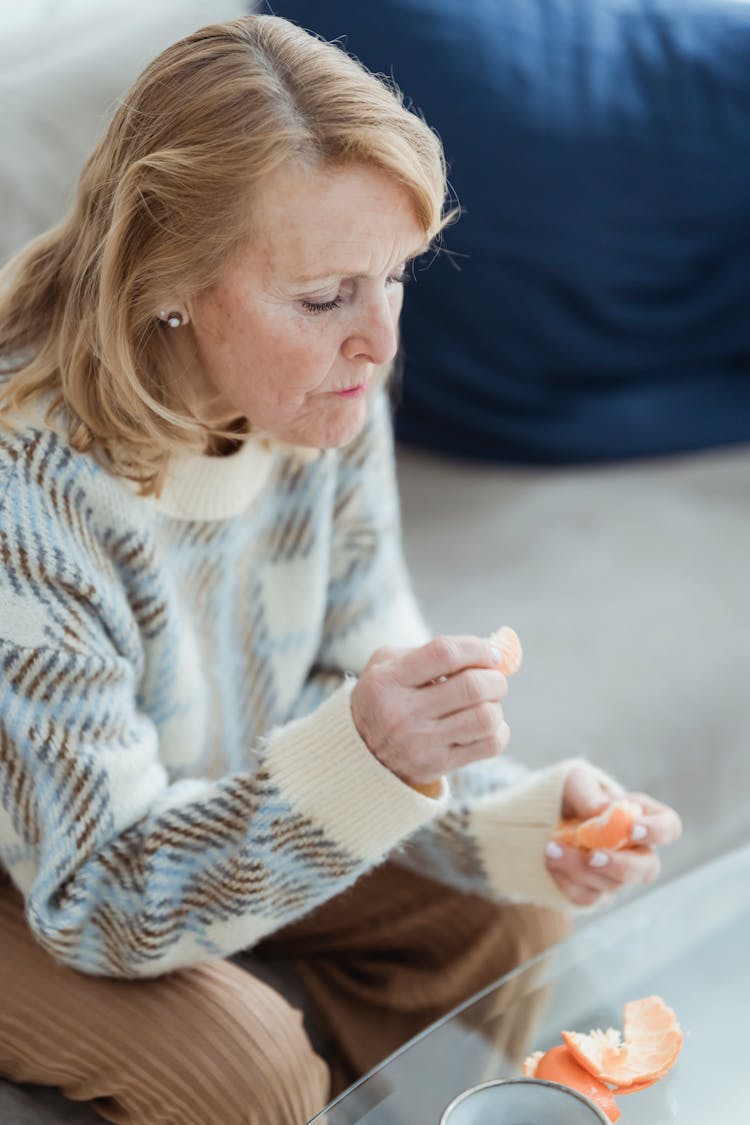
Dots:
pixel 180 774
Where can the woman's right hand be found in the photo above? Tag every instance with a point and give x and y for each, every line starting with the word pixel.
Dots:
pixel 427 711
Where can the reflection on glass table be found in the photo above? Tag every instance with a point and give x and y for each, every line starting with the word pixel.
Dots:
pixel 686 941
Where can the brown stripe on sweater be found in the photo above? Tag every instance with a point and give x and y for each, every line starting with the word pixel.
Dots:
pixel 18 779
pixel 45 675
pixel 343 500
pixel 29 658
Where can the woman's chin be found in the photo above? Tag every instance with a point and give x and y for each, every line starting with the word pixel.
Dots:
pixel 340 428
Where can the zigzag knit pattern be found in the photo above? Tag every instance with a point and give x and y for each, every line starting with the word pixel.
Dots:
pixel 161 798
pixel 180 774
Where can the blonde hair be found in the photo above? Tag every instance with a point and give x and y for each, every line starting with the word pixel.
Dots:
pixel 162 205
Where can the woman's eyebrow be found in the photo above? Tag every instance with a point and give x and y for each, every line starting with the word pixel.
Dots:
pixel 330 275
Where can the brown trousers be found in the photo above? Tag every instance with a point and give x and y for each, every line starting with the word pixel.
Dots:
pixel 214 1045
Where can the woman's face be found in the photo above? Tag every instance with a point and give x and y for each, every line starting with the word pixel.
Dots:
pixel 291 336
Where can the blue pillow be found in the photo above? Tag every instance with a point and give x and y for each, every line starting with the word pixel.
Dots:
pixel 595 300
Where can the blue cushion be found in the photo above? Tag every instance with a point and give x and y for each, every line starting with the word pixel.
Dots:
pixel 595 300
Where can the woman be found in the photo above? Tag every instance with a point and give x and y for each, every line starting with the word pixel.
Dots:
pixel 223 724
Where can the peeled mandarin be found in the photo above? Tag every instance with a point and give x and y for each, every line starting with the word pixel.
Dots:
pixel 511 653
pixel 609 828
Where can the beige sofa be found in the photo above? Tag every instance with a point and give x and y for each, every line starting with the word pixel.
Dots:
pixel 626 582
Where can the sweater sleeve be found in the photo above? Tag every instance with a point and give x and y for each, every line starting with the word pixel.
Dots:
pixel 127 872
pixel 370 599
pixel 490 839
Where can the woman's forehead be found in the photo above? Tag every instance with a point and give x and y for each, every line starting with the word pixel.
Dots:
pixel 312 222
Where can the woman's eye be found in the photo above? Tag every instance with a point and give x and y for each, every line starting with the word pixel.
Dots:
pixel 321 306
pixel 400 277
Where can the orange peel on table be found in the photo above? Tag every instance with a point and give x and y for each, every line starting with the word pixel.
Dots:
pixel 649 1045
pixel 511 653
pixel 609 828
pixel 602 1064
pixel 558 1065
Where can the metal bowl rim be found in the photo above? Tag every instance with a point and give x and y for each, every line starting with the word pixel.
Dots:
pixel 444 1120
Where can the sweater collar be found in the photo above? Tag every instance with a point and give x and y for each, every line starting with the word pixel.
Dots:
pixel 203 488
pixel 199 487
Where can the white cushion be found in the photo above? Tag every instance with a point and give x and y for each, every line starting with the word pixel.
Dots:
pixel 61 68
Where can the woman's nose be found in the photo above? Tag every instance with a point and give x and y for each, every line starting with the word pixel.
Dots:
pixel 374 337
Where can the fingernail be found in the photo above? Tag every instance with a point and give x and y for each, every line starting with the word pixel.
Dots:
pixel 495 654
pixel 553 850
pixel 599 859
pixel 638 832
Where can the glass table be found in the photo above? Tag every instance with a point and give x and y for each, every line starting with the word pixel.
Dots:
pixel 687 941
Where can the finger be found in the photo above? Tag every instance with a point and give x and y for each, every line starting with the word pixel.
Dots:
pixel 575 864
pixel 482 721
pixel 584 794
pixel 434 763
pixel 466 689
pixel 444 656
pixel 453 757
pixel 463 755
pixel 575 894
pixel 659 823
pixel 629 865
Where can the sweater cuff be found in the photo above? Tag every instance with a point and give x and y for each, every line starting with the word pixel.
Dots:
pixel 325 771
pixel 513 825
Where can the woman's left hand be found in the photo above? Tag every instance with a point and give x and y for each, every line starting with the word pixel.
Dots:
pixel 585 877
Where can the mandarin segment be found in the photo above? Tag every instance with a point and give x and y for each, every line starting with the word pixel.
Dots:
pixel 608 829
pixel 511 653
pixel 649 1045
pixel 558 1065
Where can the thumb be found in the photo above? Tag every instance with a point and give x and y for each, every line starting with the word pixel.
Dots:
pixel 583 793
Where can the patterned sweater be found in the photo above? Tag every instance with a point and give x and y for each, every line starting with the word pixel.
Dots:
pixel 180 774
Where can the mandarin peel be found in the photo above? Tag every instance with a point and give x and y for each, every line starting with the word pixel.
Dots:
pixel 558 1065
pixel 602 1064
pixel 511 654
pixel 649 1045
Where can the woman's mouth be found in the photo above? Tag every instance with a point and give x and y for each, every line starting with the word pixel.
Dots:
pixel 352 392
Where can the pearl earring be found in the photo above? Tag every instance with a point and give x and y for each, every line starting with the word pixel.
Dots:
pixel 173 319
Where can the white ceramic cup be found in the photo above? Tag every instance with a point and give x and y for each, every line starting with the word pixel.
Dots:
pixel 522 1101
